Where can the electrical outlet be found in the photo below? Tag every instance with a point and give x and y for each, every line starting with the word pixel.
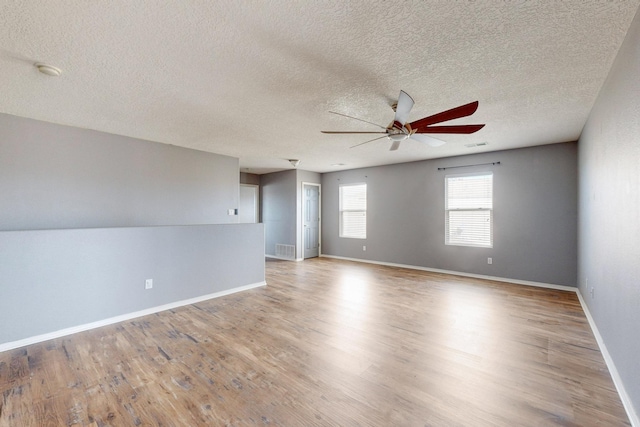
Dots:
pixel 489 260
pixel 364 248
pixel 592 292
pixel 148 284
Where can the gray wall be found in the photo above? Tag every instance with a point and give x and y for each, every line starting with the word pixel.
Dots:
pixel 249 178
pixel 57 279
pixel 281 203
pixel 535 213
pixel 278 206
pixel 72 181
pixel 609 223
pixel 54 176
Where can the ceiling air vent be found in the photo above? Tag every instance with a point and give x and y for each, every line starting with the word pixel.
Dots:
pixel 479 144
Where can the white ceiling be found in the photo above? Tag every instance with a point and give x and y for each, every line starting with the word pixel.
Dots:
pixel 256 79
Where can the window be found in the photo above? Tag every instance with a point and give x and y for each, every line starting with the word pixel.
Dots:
pixel 353 211
pixel 469 210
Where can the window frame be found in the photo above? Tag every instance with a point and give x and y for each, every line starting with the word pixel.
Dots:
pixel 341 211
pixel 447 211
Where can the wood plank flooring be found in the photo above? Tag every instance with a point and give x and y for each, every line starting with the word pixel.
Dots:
pixel 327 343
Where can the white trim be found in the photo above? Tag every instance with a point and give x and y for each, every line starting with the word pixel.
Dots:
pixel 615 376
pixel 459 273
pixel 124 317
pixel 256 200
pixel 303 183
pixel 283 258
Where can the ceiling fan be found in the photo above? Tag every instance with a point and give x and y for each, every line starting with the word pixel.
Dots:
pixel 399 130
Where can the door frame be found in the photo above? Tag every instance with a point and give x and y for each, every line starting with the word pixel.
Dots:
pixel 257 193
pixel 319 216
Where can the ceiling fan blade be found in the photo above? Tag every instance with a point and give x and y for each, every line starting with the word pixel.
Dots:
pixel 395 146
pixel 426 139
pixel 346 132
pixel 366 142
pixel 404 106
pixel 355 118
pixel 451 129
pixel 454 113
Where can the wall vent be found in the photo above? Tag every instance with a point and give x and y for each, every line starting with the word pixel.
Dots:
pixel 285 251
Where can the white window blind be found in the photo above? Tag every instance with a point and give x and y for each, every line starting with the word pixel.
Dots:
pixel 469 210
pixel 353 211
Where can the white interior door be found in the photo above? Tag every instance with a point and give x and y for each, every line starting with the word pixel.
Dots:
pixel 248 210
pixel 311 220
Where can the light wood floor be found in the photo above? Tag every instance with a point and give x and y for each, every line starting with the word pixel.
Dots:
pixel 330 343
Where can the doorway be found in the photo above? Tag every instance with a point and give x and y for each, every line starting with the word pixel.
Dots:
pixel 249 206
pixel 310 220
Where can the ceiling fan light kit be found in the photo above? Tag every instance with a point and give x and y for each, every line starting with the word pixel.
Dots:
pixel 399 129
pixel 398 136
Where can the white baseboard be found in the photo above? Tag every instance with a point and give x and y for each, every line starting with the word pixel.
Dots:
pixel 122 318
pixel 615 376
pixel 458 273
pixel 283 258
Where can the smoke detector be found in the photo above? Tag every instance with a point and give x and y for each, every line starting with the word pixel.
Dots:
pixel 49 70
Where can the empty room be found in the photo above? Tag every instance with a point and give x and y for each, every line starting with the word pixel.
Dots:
pixel 301 213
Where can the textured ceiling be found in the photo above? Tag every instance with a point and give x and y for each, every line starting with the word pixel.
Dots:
pixel 256 79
